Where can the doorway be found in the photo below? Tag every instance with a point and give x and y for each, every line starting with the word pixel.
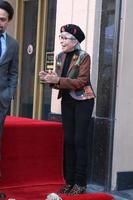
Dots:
pixel 35 33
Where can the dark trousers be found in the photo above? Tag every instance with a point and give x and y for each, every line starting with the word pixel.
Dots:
pixel 76 117
pixel 3 113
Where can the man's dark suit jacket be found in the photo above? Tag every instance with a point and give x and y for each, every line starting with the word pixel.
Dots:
pixel 8 76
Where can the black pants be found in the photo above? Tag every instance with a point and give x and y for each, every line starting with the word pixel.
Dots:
pixel 76 116
pixel 3 113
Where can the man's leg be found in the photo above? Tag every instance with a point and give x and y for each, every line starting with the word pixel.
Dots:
pixel 2 119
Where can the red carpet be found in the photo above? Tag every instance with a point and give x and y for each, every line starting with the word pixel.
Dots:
pixel 32 160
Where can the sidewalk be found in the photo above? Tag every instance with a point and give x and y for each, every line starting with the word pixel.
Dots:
pixel 118 195
pixel 123 195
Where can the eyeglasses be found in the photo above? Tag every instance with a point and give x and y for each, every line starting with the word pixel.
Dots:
pixel 64 38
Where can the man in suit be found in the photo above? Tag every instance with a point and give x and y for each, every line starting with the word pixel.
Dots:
pixel 8 65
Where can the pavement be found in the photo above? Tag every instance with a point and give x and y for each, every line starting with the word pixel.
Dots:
pixel 123 195
pixel 118 195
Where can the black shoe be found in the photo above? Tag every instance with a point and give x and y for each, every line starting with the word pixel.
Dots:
pixel 65 189
pixel 77 189
pixel 2 195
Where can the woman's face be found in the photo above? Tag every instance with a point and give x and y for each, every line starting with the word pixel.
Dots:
pixel 67 42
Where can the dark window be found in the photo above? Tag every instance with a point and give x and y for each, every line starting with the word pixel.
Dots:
pixel 28 58
pixel 49 57
pixel 106 68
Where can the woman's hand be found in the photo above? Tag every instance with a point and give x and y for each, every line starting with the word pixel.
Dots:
pixel 48 77
pixel 42 75
pixel 52 78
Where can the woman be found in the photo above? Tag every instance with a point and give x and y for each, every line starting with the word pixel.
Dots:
pixel 72 79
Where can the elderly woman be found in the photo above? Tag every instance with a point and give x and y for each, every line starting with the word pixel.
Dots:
pixel 72 79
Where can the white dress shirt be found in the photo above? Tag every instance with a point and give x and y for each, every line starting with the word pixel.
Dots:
pixel 3 44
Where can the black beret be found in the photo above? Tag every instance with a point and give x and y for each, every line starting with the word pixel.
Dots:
pixel 74 30
pixel 8 8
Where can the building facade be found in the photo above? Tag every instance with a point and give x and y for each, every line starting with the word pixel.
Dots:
pixel 108 28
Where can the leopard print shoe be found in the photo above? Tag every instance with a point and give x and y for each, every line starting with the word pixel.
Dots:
pixel 65 189
pixel 77 189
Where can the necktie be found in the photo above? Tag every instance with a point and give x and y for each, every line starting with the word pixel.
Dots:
pixel 1 35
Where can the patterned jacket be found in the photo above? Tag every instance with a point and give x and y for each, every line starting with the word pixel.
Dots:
pixel 77 80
